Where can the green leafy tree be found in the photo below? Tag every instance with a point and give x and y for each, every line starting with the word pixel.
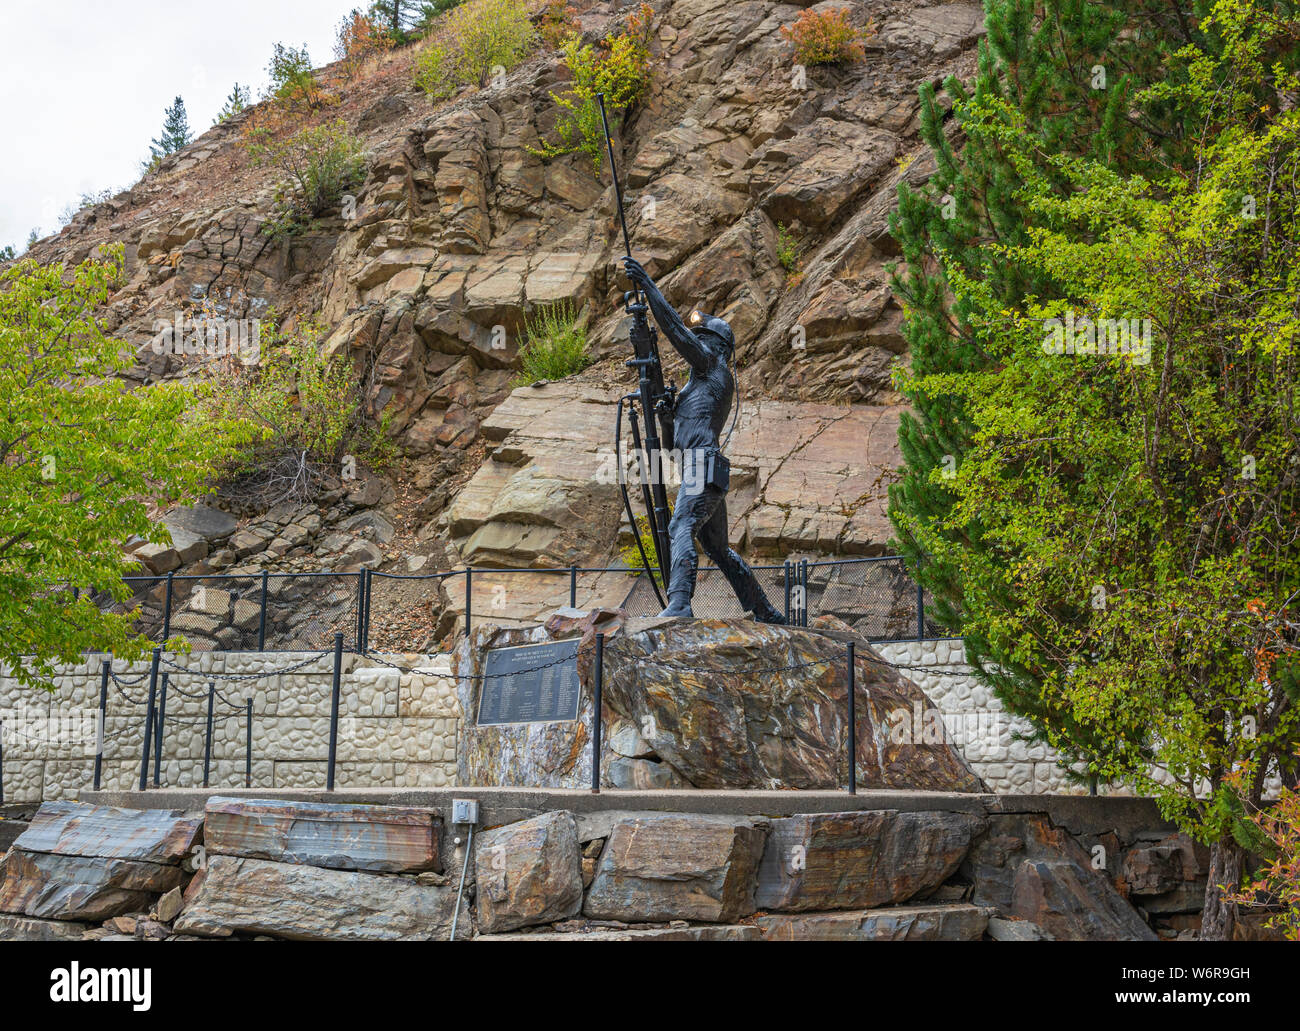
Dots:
pixel 1074 72
pixel 293 83
pixel 84 459
pixel 1132 447
pixel 7 252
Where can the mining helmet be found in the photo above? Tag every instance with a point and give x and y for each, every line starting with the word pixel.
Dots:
pixel 718 327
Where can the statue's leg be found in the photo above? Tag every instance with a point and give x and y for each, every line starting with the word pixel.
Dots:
pixel 689 512
pixel 713 539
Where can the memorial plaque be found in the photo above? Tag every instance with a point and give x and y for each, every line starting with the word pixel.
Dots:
pixel 534 683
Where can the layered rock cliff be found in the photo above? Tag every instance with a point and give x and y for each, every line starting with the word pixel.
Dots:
pixel 460 230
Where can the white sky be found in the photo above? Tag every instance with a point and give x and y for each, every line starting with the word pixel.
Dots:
pixel 84 84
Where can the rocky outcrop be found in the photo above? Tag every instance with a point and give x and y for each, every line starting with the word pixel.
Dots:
pixel 805 477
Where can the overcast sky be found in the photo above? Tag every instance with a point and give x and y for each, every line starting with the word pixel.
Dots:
pixel 84 84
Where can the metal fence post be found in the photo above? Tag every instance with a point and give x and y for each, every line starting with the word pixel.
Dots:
pixel 167 607
pixel 361 606
pixel 573 586
pixel 207 737
pixel 248 742
pixel 368 589
pixel 103 718
pixel 334 711
pixel 803 582
pixel 853 723
pixel 920 612
pixel 158 734
pixel 261 618
pixel 595 713
pixel 469 597
pixel 789 588
pixel 148 719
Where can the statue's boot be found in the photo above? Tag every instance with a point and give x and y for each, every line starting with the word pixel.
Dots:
pixel 679 607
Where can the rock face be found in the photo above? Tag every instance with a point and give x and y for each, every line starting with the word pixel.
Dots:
pixel 1029 870
pixel 677 867
pixel 309 903
pixel 392 839
pixel 860 860
pixel 716 706
pixel 950 922
pixel 528 872
pixel 83 862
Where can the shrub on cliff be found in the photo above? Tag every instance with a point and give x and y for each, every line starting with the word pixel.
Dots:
pixel 358 39
pixel 619 67
pixel 826 37
pixel 555 345
pixel 469 43
pixel 304 411
pixel 320 165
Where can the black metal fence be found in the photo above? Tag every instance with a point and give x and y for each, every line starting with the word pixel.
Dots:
pixel 296 612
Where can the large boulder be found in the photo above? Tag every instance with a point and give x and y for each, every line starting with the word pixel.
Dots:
pixel 87 862
pixel 1030 870
pixel 381 839
pixel 252 896
pixel 857 860
pixel 528 872
pixel 677 866
pixel 717 704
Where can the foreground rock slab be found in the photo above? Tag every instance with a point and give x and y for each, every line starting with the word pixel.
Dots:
pixel 380 839
pixel 725 933
pixel 286 900
pixel 677 867
pixel 948 922
pixel 857 860
pixel 26 929
pixel 528 873
pixel 1030 870
pixel 85 862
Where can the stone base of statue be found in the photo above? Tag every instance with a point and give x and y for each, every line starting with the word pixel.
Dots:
pixel 703 703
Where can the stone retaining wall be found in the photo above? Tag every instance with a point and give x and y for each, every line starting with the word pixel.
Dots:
pixel 973 716
pixel 395 729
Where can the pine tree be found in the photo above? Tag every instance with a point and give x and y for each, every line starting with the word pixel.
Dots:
pixel 395 15
pixel 236 102
pixel 1074 69
pixel 175 132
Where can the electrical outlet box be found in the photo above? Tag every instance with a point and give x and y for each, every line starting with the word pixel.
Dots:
pixel 464 810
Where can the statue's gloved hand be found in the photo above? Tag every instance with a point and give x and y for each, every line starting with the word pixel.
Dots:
pixel 639 276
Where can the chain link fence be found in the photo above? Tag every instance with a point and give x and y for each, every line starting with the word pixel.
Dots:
pixel 290 612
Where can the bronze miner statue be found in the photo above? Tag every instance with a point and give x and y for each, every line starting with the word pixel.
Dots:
pixel 699 415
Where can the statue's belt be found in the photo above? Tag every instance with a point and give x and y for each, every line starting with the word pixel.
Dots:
pixel 703 467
